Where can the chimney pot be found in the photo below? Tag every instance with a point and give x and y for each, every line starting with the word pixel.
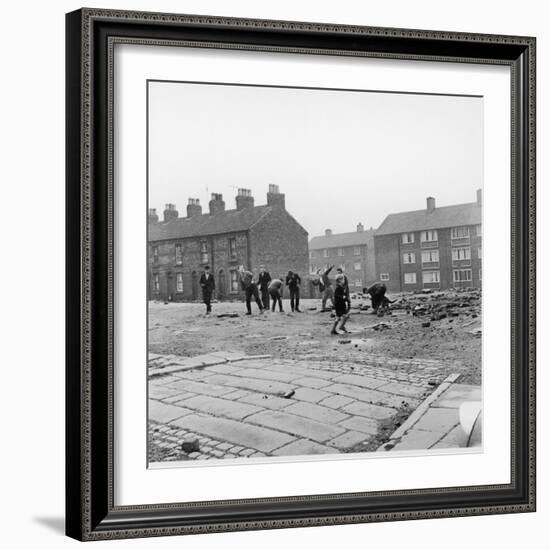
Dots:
pixel 360 227
pixel 478 196
pixel 328 232
pixel 170 212
pixel 275 197
pixel 244 199
pixel 216 204
pixel 194 208
pixel 153 216
pixel 430 204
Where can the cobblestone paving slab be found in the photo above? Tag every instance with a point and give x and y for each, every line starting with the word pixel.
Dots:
pixel 219 407
pixel 361 424
pixel 296 425
pixel 230 431
pixel 280 407
pixel 316 412
pixel 161 412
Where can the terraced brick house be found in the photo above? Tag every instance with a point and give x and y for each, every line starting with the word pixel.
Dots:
pixel 180 247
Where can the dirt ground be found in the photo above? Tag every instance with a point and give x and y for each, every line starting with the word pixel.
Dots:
pixel 442 327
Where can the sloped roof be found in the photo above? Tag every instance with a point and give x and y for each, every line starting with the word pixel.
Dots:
pixel 354 238
pixel 228 221
pixel 444 216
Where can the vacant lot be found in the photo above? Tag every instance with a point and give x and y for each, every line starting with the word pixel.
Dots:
pixel 443 327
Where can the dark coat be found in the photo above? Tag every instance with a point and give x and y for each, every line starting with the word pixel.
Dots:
pixel 263 280
pixel 207 285
pixel 293 281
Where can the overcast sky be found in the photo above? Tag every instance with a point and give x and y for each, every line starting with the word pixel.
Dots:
pixel 340 157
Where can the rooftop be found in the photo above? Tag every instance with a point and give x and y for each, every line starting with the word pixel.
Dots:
pixel 227 221
pixel 437 218
pixel 353 238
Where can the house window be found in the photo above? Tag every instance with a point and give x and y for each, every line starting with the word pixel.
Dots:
pixel 340 252
pixel 479 252
pixel 325 253
pixel 359 283
pixel 460 232
pixel 461 253
pixel 407 238
pixel 428 236
pixel 312 269
pixel 410 278
pixel 409 258
pixel 156 285
pixel 204 252
pixel 155 254
pixel 478 230
pixel 384 276
pixel 430 277
pixel 311 254
pixel 232 248
pixel 234 280
pixel 480 273
pixel 461 275
pixel 179 254
pixel 357 251
pixel 179 282
pixel 430 256
pixel 357 266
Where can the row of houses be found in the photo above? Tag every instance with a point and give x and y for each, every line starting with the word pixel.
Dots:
pixel 432 248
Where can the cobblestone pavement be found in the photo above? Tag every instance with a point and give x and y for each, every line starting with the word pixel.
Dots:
pixel 236 407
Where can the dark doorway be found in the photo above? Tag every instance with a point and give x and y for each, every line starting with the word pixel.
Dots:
pixel 222 291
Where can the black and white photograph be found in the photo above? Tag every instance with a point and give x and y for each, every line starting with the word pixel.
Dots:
pixel 314 273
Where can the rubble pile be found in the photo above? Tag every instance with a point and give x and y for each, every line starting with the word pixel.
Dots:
pixel 440 305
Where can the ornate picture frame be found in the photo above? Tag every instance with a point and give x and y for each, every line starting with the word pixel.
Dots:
pixel 91 512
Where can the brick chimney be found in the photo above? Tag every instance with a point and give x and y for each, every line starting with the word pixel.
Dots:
pixel 244 199
pixel 430 204
pixel 328 232
pixel 478 197
pixel 193 208
pixel 216 204
pixel 274 197
pixel 153 216
pixel 170 213
pixel 360 228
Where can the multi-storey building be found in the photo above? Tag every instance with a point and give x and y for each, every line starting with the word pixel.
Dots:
pixel 353 252
pixel 437 248
pixel 180 247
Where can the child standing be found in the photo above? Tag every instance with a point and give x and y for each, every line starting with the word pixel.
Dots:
pixel 340 305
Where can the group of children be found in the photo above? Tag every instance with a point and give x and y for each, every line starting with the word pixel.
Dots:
pixel 269 288
pixel 273 289
pixel 265 288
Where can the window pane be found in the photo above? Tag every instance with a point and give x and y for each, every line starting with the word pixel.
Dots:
pixel 460 232
pixel 430 256
pixel 430 277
